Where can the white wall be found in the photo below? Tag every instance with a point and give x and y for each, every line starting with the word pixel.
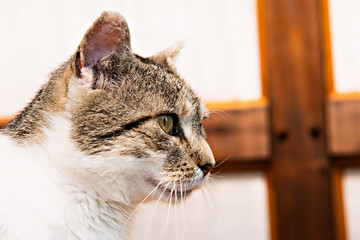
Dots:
pixel 345 39
pixel 220 56
pixel 351 187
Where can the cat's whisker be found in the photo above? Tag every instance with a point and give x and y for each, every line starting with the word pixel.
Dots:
pixel 210 188
pixel 217 172
pixel 176 200
pixel 140 204
pixel 156 204
pixel 209 198
pixel 206 200
pixel 163 234
pixel 214 149
pixel 182 191
pixel 222 113
pixel 215 175
pixel 222 162
pixel 211 195
pixel 217 117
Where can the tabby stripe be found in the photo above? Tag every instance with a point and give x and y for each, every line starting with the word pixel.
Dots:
pixel 145 134
pixel 125 128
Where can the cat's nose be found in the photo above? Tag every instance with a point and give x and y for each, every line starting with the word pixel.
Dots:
pixel 206 168
pixel 206 159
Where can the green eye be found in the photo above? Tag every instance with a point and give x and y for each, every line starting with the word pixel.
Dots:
pixel 166 122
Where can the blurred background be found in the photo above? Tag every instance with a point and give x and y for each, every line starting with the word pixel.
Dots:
pixel 225 60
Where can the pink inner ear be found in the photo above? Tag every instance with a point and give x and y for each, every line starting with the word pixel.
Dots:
pixel 109 33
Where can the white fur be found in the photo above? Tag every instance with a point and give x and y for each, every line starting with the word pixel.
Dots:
pixel 46 191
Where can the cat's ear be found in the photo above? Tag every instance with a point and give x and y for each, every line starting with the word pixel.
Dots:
pixel 108 33
pixel 166 56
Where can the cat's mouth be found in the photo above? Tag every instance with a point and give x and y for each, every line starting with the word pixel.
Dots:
pixel 169 191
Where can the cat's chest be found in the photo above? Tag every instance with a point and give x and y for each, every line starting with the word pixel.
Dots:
pixel 30 199
pixel 38 202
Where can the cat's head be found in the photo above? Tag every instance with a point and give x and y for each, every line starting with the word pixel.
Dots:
pixel 136 122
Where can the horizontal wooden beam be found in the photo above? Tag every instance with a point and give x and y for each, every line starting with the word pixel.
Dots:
pixel 240 166
pixel 240 133
pixel 343 118
pixel 5 120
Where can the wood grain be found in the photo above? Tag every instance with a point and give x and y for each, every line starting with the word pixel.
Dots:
pixel 343 114
pixel 338 202
pixel 241 134
pixel 299 173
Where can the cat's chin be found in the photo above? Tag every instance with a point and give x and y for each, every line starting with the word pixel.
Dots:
pixel 168 192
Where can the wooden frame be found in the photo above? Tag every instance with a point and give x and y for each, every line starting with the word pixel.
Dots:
pixel 302 134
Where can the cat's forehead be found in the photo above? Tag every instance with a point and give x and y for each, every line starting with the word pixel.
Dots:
pixel 147 85
pixel 186 101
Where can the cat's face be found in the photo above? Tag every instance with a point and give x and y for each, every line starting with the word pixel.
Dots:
pixel 136 121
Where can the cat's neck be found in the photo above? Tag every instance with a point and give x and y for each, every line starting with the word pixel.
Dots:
pixel 92 213
pixel 91 217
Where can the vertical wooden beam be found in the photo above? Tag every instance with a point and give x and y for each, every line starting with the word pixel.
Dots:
pixel 262 47
pixel 299 172
pixel 339 218
pixel 326 43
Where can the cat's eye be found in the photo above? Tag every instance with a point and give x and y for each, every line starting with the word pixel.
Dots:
pixel 166 122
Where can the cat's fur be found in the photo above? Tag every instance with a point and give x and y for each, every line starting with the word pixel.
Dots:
pixel 88 149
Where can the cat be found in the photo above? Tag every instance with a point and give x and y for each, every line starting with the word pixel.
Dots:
pixel 108 131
